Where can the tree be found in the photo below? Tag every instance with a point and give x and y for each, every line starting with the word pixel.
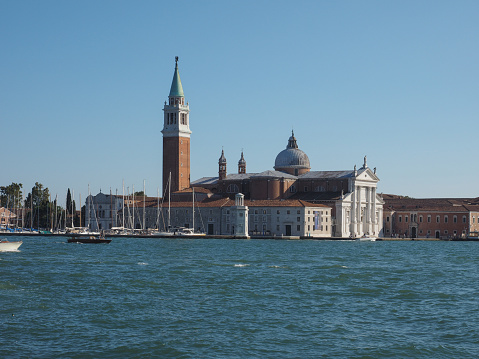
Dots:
pixel 69 202
pixel 139 194
pixel 38 201
pixel 11 194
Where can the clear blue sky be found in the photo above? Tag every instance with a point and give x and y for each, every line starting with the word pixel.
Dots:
pixel 83 85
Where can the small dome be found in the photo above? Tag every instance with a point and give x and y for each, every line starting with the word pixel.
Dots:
pixel 292 157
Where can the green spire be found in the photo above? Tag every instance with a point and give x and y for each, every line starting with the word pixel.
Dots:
pixel 176 88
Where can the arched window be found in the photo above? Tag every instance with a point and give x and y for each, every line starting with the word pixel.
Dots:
pixel 232 188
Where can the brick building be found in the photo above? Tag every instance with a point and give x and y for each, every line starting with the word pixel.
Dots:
pixel 444 218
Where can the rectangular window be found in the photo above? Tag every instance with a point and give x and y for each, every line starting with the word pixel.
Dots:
pixel 420 219
pixel 387 219
pixel 298 227
pixel 277 212
pixel 445 219
pixel 298 219
pixel 400 219
pixel 288 212
pixel 405 218
pixel 463 219
pixel 438 220
pixel 298 212
pixel 428 219
pixel 454 219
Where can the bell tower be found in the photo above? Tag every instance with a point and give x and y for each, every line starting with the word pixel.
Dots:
pixel 176 136
pixel 242 164
pixel 222 166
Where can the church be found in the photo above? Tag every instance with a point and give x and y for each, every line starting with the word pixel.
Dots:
pixel 340 204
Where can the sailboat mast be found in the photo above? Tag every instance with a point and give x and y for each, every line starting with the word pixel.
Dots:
pixel 133 204
pixel 111 209
pixel 193 214
pixel 158 208
pixel 169 201
pixel 73 196
pixel 144 199
pixel 80 210
pixel 89 209
pixel 123 209
pixel 56 214
pixel 51 216
pixel 31 210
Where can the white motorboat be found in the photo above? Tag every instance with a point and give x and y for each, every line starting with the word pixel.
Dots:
pixel 7 246
pixel 366 238
pixel 188 232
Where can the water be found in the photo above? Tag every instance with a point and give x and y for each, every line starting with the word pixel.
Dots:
pixel 208 298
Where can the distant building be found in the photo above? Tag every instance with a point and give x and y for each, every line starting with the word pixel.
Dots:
pixel 216 215
pixel 443 218
pixel 101 211
pixel 7 218
pixel 356 206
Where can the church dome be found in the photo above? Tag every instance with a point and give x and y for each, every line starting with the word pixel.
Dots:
pixel 291 158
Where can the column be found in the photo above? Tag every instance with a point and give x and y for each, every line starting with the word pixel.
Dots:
pixel 359 226
pixel 353 212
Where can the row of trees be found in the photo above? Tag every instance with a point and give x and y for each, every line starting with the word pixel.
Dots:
pixel 37 210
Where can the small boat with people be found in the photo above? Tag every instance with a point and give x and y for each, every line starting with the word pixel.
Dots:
pixel 92 238
pixel 7 246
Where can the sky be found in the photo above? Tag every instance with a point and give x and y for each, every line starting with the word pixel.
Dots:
pixel 83 85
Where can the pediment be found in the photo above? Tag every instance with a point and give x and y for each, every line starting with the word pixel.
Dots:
pixel 367 175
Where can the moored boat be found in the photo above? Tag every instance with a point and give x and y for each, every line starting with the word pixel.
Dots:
pixel 188 232
pixel 88 239
pixel 7 246
pixel 366 238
